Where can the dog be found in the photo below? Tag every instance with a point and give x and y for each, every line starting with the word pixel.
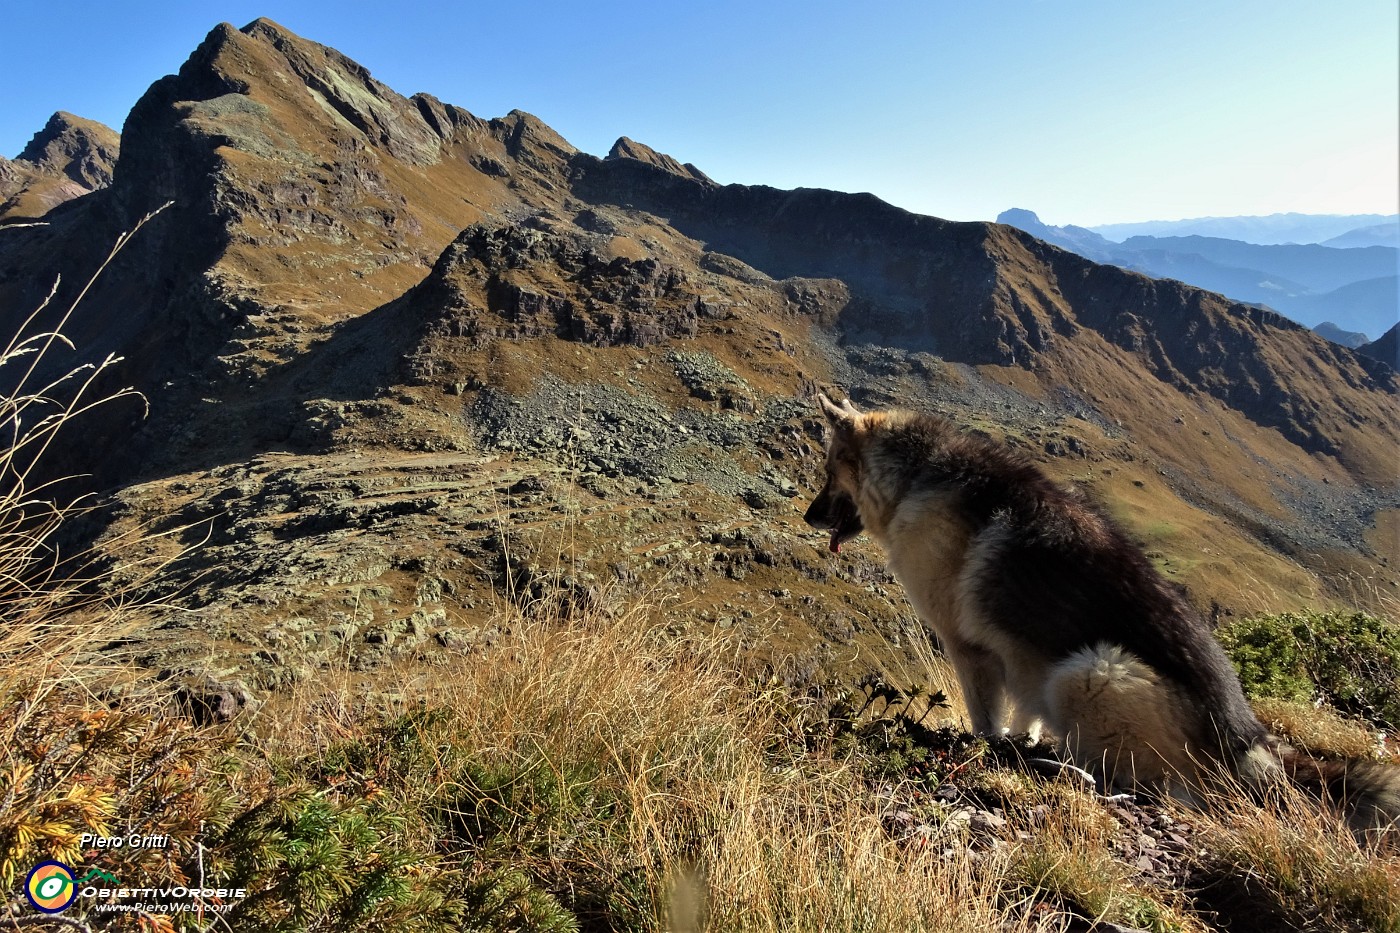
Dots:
pixel 1044 605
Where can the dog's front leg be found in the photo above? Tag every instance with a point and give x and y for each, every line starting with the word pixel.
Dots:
pixel 983 679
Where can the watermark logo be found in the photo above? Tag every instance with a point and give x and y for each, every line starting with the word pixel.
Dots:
pixel 97 874
pixel 50 887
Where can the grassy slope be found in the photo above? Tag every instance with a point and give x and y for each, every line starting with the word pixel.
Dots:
pixel 594 772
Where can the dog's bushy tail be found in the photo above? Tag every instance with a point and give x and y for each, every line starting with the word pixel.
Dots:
pixel 1366 792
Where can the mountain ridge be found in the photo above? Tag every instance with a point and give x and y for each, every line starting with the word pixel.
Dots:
pixel 378 333
pixel 1377 235
pixel 1270 229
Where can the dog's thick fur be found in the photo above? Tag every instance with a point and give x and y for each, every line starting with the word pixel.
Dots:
pixel 1043 603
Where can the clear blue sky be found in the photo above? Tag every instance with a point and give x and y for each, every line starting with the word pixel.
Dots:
pixel 1087 111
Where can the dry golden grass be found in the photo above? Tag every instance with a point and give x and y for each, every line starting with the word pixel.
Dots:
pixel 1290 865
pixel 650 760
pixel 1070 862
pixel 69 764
pixel 684 756
pixel 55 605
pixel 597 744
pixel 1318 729
pixel 592 768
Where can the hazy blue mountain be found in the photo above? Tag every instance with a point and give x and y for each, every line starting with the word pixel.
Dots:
pixel 1371 306
pixel 1354 290
pixel 1347 338
pixel 1079 240
pixel 1268 230
pixel 1378 235
pixel 1319 268
pixel 1240 283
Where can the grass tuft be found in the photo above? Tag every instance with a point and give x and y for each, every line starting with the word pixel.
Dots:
pixel 1291 866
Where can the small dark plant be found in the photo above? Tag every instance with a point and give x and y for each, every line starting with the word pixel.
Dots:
pixel 882 724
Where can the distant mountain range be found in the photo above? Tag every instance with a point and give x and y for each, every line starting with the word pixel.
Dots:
pixel 1354 291
pixel 1269 230
pixel 1380 235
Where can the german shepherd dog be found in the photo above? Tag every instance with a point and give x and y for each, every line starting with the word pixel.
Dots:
pixel 1043 604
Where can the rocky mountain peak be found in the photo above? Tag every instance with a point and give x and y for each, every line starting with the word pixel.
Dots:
pixel 1020 217
pixel 84 150
pixel 280 145
pixel 626 148
pixel 385 118
pixel 291 85
pixel 531 141
pixel 68 158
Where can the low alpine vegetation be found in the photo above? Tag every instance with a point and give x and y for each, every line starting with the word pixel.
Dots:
pixel 1349 661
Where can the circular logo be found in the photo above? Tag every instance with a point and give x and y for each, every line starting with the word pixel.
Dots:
pixel 50 887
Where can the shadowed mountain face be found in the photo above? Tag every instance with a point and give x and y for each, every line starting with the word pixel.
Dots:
pixel 1386 347
pixel 399 355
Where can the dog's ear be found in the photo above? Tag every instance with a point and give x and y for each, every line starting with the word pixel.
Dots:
pixel 840 416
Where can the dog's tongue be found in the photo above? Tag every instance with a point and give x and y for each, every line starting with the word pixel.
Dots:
pixel 836 542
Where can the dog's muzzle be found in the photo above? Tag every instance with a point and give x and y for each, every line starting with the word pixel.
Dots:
pixel 836 513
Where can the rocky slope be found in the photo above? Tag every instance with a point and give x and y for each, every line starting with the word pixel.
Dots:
pixel 67 159
pixel 403 363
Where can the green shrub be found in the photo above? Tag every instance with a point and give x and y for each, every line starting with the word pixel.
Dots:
pixel 310 860
pixel 69 766
pixel 540 838
pixel 1349 660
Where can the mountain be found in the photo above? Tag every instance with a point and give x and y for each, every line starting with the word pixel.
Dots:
pixel 626 148
pixel 1377 235
pixel 68 158
pixel 1252 286
pixel 1346 338
pixel 1352 288
pixel 1319 268
pixel 400 362
pixel 1272 229
pixel 1371 306
pixel 1386 347
pixel 1079 240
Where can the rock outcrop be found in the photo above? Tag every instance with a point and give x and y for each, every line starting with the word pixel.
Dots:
pixel 626 148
